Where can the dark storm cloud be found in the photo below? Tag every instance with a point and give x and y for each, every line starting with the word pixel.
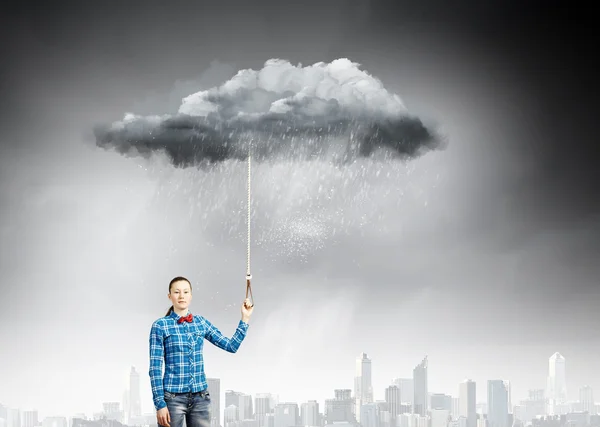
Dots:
pixel 282 110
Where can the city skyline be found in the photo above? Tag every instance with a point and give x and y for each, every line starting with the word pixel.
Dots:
pixel 379 394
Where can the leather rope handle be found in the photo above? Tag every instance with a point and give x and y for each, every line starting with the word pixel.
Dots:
pixel 249 289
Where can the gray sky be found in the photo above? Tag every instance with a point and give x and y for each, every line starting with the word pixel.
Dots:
pixel 481 256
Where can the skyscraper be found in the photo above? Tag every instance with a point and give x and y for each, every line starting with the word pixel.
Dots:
pixel 13 417
pixel 232 407
pixel 509 394
pixel 29 418
pixel 440 401
pixel 421 393
pixel 407 389
pixel 468 402
pixel 586 399
pixel 557 384
pixel 286 415
pixel 497 404
pixel 245 407
pixel 264 405
pixel 392 398
pixel 112 411
pixel 214 388
pixel 369 415
pixel 339 409
pixel 134 402
pixel 363 390
pixel 309 414
pixel 232 398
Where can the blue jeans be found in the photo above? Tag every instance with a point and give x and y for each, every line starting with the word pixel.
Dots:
pixel 193 407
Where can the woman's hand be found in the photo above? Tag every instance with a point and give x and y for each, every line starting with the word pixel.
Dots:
pixel 247 309
pixel 163 417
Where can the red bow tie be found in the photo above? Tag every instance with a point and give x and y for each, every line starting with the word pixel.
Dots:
pixel 189 318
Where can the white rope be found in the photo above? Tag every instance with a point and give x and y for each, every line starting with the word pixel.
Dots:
pixel 248 275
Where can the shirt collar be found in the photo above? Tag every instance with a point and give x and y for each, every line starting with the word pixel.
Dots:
pixel 176 316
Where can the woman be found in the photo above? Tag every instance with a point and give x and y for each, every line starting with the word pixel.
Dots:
pixel 177 339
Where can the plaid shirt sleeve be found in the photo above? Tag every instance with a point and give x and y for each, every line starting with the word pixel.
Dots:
pixel 157 354
pixel 228 344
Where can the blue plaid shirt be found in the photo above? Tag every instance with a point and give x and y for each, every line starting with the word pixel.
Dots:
pixel 180 345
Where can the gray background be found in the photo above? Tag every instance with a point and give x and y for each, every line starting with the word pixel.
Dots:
pixel 482 256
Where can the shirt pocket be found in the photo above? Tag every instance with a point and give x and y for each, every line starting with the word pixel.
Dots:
pixel 198 341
